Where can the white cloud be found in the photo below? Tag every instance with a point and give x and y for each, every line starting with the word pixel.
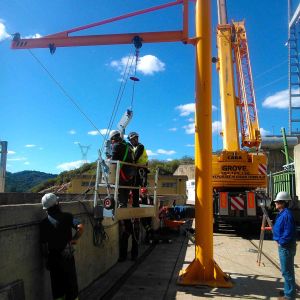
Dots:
pixel 148 64
pixel 190 120
pixel 3 33
pixel 173 129
pixel 26 163
pixel 189 108
pixel 186 109
pixel 280 100
pixel 151 153
pixel 76 143
pixel 190 145
pixel 70 165
pixel 72 131
pixel 33 36
pixel 166 152
pixel 264 132
pixel 17 159
pixel 216 127
pixel 190 128
pixel 30 146
pixel 94 132
pixel 11 152
pixel 104 131
pixel 169 159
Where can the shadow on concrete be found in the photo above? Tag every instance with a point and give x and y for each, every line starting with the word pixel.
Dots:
pixel 245 287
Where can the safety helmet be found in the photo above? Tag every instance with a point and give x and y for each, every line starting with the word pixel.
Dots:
pixel 132 134
pixel 144 190
pixel 283 196
pixel 114 134
pixel 49 200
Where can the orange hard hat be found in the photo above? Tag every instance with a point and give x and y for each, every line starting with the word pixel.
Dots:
pixel 144 190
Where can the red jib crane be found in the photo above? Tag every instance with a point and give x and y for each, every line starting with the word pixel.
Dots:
pixel 203 270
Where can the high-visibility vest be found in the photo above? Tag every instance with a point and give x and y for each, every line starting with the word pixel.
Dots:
pixel 143 159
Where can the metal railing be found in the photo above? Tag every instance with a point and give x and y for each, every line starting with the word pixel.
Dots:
pixel 110 179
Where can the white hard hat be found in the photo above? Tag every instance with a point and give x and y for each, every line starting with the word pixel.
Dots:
pixel 49 200
pixel 114 133
pixel 283 196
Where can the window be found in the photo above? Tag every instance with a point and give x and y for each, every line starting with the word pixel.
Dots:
pixel 169 184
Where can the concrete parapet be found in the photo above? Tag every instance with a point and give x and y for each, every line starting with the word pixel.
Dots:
pixel 20 250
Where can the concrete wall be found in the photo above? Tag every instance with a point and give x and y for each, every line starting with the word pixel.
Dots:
pixel 20 256
pixel 297 169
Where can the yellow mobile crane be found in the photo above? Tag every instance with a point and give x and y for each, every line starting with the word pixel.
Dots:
pixel 238 172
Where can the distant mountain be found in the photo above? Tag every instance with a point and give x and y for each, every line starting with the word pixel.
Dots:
pixel 25 180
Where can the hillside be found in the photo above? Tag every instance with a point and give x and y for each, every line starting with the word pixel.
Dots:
pixel 33 181
pixel 25 180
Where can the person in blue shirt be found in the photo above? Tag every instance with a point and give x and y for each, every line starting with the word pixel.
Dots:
pixel 284 233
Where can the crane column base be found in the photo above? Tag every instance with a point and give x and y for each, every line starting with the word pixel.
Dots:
pixel 195 274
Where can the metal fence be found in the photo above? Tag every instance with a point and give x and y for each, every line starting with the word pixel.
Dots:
pixel 283 181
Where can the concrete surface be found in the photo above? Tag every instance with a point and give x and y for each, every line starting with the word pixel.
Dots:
pixel 20 256
pixel 156 276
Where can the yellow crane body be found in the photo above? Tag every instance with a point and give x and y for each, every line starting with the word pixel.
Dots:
pixel 239 169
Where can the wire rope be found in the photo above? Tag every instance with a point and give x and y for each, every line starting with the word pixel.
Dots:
pixel 63 90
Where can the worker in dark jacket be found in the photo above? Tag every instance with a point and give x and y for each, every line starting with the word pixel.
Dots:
pixel 140 157
pixel 123 152
pixel 284 233
pixel 146 199
pixel 57 245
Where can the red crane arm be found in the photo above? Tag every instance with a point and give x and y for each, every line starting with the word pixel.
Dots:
pixel 62 39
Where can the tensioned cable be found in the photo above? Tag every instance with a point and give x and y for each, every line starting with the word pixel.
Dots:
pixel 270 83
pixel 65 92
pixel 133 86
pixel 119 96
pixel 120 93
pixel 269 70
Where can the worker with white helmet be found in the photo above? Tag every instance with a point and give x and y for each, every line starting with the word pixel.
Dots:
pixel 57 245
pixel 140 157
pixel 120 150
pixel 284 233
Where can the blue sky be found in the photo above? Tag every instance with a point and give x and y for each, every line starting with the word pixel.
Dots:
pixel 42 126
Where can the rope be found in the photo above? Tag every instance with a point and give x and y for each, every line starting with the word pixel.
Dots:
pixel 119 97
pixel 65 92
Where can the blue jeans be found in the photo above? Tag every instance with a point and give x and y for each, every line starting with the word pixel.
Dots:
pixel 286 257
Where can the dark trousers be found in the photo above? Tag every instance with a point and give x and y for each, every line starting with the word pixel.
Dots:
pixel 63 277
pixel 140 180
pixel 127 228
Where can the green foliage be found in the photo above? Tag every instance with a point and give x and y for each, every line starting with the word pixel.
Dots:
pixel 168 167
pixel 25 180
pixel 33 181
pixel 66 176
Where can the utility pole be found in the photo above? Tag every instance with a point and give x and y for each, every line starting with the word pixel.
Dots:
pixel 84 151
pixel 3 156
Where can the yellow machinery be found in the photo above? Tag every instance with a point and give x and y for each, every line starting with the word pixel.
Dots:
pixel 237 173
